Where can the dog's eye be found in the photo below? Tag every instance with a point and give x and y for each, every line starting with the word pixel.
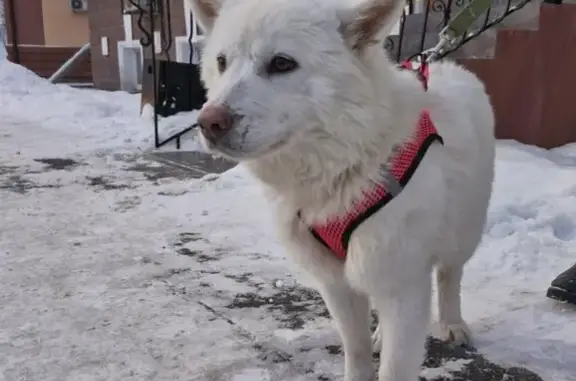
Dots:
pixel 221 59
pixel 281 64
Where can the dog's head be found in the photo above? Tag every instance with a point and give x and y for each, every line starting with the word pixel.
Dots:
pixel 281 72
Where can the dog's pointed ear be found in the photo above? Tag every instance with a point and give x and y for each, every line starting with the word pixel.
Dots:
pixel 205 12
pixel 370 22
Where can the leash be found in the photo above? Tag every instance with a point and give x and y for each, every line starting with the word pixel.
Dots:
pixel 448 36
pixel 456 28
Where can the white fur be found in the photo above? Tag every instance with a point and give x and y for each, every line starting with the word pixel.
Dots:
pixel 316 137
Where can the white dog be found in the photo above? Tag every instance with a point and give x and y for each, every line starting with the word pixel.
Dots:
pixel 302 93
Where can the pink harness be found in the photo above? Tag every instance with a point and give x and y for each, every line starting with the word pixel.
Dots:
pixel 335 233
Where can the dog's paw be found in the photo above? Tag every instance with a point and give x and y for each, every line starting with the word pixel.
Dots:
pixel 366 374
pixel 457 334
pixel 376 340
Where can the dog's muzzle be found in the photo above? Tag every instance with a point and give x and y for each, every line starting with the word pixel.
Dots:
pixel 215 122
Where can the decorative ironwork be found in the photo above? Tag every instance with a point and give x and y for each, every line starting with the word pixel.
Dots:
pixel 439 6
pixel 445 8
pixel 176 86
pixel 405 44
pixel 488 23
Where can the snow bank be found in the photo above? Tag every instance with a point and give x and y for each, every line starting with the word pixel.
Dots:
pixel 530 237
pixel 111 120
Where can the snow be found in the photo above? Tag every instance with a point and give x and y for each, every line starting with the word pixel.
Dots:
pixel 447 368
pixel 530 238
pixel 107 274
pixel 100 120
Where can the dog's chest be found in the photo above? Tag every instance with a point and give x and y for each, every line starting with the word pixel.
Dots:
pixel 336 232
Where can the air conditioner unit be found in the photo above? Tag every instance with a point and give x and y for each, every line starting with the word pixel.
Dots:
pixel 79 5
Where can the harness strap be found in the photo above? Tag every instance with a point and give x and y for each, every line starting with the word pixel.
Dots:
pixel 423 71
pixel 335 234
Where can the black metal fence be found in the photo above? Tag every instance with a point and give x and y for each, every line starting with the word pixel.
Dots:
pixel 176 86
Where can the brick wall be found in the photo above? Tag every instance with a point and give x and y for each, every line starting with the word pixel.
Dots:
pixel 46 60
pixel 105 18
pixel 531 79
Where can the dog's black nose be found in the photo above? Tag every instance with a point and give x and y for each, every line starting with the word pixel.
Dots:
pixel 215 121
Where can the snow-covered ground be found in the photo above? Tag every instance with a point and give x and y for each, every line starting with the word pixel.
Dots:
pixel 111 269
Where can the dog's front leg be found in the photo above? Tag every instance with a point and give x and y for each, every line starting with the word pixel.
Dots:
pixel 452 326
pixel 351 312
pixel 403 313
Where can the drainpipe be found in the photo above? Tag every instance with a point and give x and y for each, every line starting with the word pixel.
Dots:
pixel 14 31
pixel 69 64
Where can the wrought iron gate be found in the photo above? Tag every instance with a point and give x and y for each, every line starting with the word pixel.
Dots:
pixel 176 86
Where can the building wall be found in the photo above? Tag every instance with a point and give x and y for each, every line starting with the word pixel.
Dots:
pixel 48 33
pixel 62 26
pixel 47 22
pixel 46 60
pixel 29 21
pixel 107 22
pixel 533 98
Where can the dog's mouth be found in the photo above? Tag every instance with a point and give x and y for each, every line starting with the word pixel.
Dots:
pixel 237 147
